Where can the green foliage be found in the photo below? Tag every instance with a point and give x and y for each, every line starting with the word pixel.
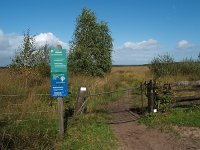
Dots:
pixel 31 57
pixel 162 65
pixel 91 47
pixel 164 98
pixel 190 67
pixel 25 58
pixel 41 57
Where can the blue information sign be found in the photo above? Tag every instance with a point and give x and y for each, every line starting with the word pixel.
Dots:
pixel 59 90
pixel 58 73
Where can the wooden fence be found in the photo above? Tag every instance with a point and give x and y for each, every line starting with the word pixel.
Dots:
pixel 183 93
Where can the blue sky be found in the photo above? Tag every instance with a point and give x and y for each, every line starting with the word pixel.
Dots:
pixel 141 29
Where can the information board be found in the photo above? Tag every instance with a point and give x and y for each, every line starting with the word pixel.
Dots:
pixel 58 60
pixel 59 81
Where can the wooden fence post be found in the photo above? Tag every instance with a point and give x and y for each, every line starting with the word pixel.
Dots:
pixel 142 90
pixel 150 93
pixel 80 100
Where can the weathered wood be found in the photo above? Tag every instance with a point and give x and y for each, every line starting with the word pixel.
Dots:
pixel 61 119
pixel 193 86
pixel 80 101
pixel 186 90
pixel 185 83
pixel 142 90
pixel 187 98
pixel 186 103
pixel 60 111
pixel 150 94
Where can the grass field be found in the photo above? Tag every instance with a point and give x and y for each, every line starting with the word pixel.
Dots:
pixel 34 123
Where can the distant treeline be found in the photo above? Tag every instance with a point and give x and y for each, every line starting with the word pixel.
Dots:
pixel 130 65
pixel 3 67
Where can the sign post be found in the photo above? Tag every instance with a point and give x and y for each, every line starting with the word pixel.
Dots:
pixel 61 119
pixel 59 88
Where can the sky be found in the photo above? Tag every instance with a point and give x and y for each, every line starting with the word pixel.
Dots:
pixel 141 29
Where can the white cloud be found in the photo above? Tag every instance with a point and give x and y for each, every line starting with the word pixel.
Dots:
pixel 50 39
pixel 143 45
pixel 136 52
pixel 130 57
pixel 184 44
pixel 10 42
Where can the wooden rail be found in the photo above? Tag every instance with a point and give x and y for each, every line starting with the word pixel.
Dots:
pixel 186 103
pixel 185 83
pixel 186 90
pixel 181 87
pixel 186 100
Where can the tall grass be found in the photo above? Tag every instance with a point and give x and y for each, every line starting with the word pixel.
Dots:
pixel 164 66
pixel 27 121
pixel 190 68
pixel 22 131
pixel 30 124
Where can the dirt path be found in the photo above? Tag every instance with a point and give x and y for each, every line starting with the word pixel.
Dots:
pixel 133 136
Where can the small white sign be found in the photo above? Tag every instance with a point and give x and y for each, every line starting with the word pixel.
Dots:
pixel 83 88
pixel 155 110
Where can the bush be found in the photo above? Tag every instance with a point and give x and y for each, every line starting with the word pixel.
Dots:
pixel 163 65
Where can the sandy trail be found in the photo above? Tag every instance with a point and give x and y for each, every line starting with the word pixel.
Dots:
pixel 134 136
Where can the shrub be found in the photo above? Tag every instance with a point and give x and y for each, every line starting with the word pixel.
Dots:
pixel 163 65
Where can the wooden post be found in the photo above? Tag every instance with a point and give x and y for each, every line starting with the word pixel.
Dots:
pixel 61 119
pixel 80 100
pixel 149 97
pixel 141 86
pixel 60 112
pixel 150 93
